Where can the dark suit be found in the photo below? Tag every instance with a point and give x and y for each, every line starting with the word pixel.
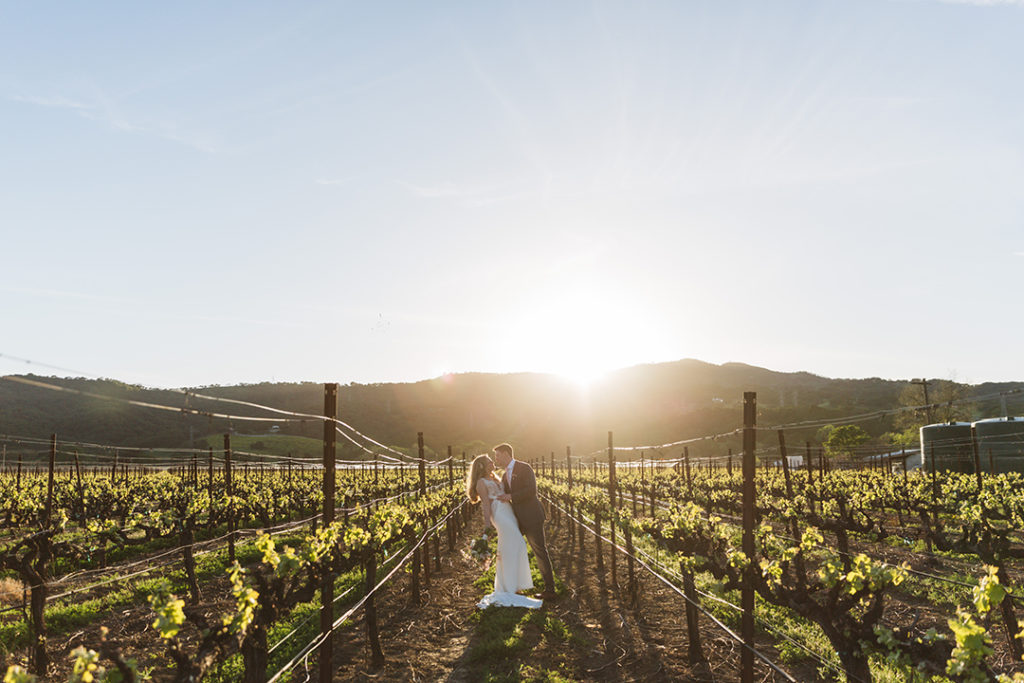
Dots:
pixel 530 514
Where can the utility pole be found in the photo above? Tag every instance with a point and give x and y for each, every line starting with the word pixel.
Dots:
pixel 928 404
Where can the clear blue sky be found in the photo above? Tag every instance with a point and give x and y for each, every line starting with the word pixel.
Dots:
pixel 198 193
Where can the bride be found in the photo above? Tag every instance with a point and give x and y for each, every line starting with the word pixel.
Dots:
pixel 512 568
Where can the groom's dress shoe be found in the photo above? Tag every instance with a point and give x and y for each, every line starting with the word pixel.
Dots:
pixel 546 595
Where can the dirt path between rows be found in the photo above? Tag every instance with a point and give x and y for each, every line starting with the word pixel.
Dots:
pixel 588 634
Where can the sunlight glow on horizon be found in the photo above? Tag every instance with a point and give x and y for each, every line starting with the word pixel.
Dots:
pixel 581 330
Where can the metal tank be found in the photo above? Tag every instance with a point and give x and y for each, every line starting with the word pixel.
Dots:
pixel 1001 444
pixel 951 444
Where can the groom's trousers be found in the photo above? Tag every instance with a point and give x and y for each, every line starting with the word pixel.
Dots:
pixel 535 537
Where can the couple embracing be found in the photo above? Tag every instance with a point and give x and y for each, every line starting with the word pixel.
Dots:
pixel 509 504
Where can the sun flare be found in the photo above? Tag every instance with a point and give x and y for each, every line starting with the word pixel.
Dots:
pixel 582 375
pixel 564 331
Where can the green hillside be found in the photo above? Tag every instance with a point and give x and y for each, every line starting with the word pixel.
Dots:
pixel 647 404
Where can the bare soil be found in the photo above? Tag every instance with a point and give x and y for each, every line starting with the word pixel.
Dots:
pixel 604 638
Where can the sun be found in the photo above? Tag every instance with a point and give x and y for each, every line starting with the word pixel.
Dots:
pixel 582 374
pixel 565 331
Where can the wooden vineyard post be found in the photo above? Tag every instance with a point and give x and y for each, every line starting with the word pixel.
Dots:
pixel 372 634
pixel 694 651
pixel 209 475
pixel 576 532
pixel 449 529
pixel 467 512
pixel 634 597
pixel 729 464
pixel 18 481
pixel 422 465
pixel 49 483
pixel 81 491
pixel 229 492
pixel 451 468
pixel 793 529
pixel 785 464
pixel 747 594
pixel 809 464
pixel 689 475
pixel 613 514
pixel 414 593
pixel 424 550
pixel 330 490
pixel 977 460
pixel 437 546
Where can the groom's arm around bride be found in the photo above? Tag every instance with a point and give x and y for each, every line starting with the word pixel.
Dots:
pixel 522 491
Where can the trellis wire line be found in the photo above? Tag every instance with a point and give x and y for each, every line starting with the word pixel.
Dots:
pixel 306 651
pixel 272 530
pixel 305 621
pixel 675 588
pixel 137 454
pixel 192 411
pixel 292 415
pixel 881 413
pixel 243 533
pixel 910 570
pixel 816 423
pixel 716 598
pixel 814 655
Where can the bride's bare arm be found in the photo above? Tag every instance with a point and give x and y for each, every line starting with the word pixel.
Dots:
pixel 485 501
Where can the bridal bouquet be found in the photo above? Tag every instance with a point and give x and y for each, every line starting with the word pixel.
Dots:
pixel 480 548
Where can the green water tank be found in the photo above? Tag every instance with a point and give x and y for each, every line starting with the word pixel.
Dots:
pixel 1001 442
pixel 951 444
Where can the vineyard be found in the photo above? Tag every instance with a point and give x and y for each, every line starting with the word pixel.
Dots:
pixel 230 567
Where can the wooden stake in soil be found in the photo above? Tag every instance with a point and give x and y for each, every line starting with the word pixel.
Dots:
pixel 747 594
pixel 330 489
pixel 228 490
pixel 370 609
pixel 49 484
pixel 81 491
pixel 613 516
pixel 977 460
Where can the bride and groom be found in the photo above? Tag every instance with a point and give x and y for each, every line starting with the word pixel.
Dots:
pixel 509 504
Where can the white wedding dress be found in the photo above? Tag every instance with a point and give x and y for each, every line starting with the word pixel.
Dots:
pixel 512 566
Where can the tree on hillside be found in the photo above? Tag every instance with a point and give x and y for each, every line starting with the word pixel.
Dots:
pixel 943 397
pixel 844 440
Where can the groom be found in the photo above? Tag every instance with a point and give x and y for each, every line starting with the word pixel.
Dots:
pixel 520 485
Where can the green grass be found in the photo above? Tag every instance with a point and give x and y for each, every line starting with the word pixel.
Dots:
pixel 503 636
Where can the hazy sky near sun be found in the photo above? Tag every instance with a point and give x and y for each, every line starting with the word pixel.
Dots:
pixel 197 193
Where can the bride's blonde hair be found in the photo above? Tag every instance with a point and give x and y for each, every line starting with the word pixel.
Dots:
pixel 476 472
